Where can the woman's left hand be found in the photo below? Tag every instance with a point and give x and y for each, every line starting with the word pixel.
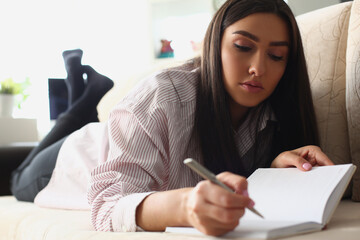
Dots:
pixel 303 158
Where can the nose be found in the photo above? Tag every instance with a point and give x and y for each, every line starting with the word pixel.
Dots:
pixel 257 65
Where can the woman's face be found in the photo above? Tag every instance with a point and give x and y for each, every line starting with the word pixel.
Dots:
pixel 254 54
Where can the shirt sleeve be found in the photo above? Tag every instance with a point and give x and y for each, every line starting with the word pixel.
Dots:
pixel 136 166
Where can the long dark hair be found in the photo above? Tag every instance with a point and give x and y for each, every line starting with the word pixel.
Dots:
pixel 291 101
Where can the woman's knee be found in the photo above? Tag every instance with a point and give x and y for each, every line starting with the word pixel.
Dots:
pixel 26 190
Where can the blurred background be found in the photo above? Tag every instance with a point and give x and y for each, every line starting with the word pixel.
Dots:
pixel 120 38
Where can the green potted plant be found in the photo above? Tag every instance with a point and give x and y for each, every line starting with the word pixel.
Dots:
pixel 8 91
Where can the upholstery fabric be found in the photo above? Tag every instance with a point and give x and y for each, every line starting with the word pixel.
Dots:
pixel 26 221
pixel 353 92
pixel 325 39
pixel 324 34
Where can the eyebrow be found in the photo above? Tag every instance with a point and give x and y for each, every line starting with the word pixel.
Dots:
pixel 256 39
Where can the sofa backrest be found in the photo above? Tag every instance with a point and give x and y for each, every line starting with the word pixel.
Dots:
pixel 331 39
pixel 324 35
pixel 353 92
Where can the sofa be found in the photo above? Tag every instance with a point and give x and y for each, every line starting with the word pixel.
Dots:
pixel 331 38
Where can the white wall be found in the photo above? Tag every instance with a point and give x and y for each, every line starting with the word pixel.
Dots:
pixel 303 6
pixel 112 33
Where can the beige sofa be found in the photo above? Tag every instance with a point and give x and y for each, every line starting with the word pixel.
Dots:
pixel 331 39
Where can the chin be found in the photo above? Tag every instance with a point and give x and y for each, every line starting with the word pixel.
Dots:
pixel 251 104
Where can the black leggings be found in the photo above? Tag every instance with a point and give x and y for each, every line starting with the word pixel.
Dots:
pixel 36 170
pixel 28 182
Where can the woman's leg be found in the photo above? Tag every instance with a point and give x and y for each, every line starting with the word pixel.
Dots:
pixel 74 80
pixel 66 122
pixel 34 173
pixel 97 86
pixel 28 181
pixel 80 113
pixel 65 125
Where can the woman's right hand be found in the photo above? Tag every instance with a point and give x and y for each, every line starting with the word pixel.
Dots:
pixel 212 209
pixel 207 207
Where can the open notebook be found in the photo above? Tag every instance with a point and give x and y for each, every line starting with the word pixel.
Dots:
pixel 292 201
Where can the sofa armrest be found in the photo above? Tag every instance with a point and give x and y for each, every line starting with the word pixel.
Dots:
pixel 11 156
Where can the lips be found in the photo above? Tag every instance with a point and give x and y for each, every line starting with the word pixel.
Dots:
pixel 252 86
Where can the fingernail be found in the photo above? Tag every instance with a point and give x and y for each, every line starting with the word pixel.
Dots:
pixel 251 204
pixel 307 166
pixel 245 193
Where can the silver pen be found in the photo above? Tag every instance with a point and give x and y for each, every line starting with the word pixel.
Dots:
pixel 206 174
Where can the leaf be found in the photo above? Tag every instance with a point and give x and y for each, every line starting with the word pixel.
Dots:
pixel 9 86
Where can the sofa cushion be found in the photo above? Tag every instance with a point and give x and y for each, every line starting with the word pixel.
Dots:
pixel 23 220
pixel 26 221
pixel 353 92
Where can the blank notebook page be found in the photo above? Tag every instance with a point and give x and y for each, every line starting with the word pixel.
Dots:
pixel 286 195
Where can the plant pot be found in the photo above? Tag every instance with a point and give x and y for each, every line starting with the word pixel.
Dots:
pixel 7 102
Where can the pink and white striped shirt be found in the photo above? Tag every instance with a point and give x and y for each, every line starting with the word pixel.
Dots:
pixel 149 134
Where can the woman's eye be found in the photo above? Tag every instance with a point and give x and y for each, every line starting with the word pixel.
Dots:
pixel 275 57
pixel 243 48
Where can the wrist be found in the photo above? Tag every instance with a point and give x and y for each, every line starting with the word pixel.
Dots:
pixel 183 211
pixel 168 208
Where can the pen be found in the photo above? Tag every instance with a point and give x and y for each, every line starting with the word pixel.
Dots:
pixel 206 174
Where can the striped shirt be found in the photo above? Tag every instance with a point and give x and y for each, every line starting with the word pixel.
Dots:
pixel 149 134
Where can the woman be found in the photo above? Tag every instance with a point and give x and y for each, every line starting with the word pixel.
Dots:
pixel 248 103
pixel 245 104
